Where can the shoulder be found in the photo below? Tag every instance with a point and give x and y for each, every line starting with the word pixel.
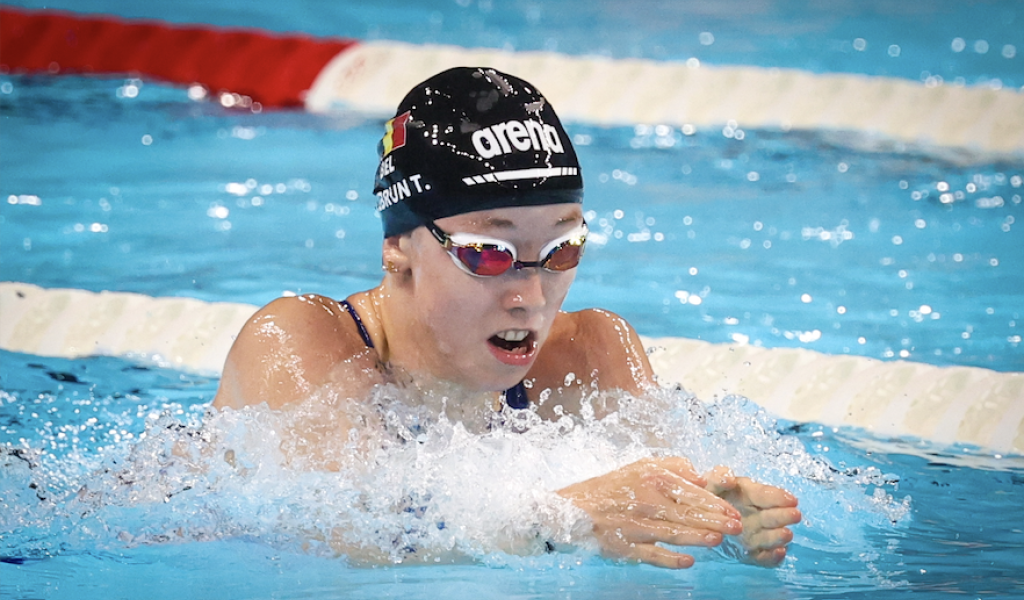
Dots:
pixel 600 330
pixel 286 349
pixel 307 319
pixel 304 309
pixel 597 322
pixel 599 345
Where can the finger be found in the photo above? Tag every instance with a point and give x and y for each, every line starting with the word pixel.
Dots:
pixel 768 539
pixel 625 530
pixel 700 519
pixel 659 557
pixel 682 491
pixel 691 516
pixel 683 468
pixel 768 558
pixel 766 496
pixel 771 518
pixel 677 535
pixel 720 479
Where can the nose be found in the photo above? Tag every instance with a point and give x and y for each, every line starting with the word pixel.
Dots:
pixel 525 289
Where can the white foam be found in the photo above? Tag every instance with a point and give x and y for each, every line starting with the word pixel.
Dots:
pixel 410 483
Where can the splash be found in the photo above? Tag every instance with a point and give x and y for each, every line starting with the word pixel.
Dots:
pixel 404 477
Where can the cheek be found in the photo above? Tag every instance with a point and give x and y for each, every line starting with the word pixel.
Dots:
pixel 449 300
pixel 459 323
pixel 557 289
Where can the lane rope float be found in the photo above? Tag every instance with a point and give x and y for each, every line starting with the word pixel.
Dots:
pixel 272 70
pixel 967 405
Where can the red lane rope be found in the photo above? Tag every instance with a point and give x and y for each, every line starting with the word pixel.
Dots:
pixel 273 69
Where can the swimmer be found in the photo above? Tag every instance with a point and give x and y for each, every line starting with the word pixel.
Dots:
pixel 480 191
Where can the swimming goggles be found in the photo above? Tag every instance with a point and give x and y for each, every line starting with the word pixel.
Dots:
pixel 486 257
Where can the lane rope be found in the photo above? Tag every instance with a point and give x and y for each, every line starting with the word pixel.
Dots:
pixel 964 123
pixel 967 405
pixel 270 70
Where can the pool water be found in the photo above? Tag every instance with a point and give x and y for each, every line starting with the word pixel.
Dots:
pixel 98 504
pixel 829 241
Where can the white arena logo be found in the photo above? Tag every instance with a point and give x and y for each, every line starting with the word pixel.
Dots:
pixel 502 138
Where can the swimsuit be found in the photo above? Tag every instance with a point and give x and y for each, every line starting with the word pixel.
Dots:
pixel 514 397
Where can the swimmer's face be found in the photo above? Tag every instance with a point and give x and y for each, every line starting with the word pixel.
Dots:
pixel 487 331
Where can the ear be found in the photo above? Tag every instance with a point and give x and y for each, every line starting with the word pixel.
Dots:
pixel 395 254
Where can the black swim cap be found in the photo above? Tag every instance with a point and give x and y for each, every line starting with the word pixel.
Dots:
pixel 472 139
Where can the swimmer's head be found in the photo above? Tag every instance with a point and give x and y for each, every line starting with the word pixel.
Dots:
pixel 471 139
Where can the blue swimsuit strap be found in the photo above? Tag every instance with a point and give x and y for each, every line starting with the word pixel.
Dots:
pixel 515 396
pixel 363 333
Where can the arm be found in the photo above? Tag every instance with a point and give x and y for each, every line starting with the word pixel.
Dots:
pixel 665 500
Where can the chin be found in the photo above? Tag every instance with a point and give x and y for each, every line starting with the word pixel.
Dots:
pixel 502 382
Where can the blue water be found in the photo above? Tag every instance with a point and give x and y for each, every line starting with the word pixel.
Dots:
pixel 811 240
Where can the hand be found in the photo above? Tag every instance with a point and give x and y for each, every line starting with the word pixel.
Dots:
pixel 650 501
pixel 766 511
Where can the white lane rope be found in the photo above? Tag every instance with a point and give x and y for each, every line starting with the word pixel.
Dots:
pixel 966 121
pixel 967 405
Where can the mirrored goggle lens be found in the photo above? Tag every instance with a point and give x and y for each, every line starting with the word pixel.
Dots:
pixel 485 259
pixel 564 257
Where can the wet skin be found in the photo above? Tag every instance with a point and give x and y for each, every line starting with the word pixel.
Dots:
pixel 431 321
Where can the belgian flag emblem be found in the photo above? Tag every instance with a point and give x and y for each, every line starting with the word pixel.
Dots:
pixel 394 133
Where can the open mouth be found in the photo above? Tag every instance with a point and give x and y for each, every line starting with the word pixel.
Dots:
pixel 514 341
